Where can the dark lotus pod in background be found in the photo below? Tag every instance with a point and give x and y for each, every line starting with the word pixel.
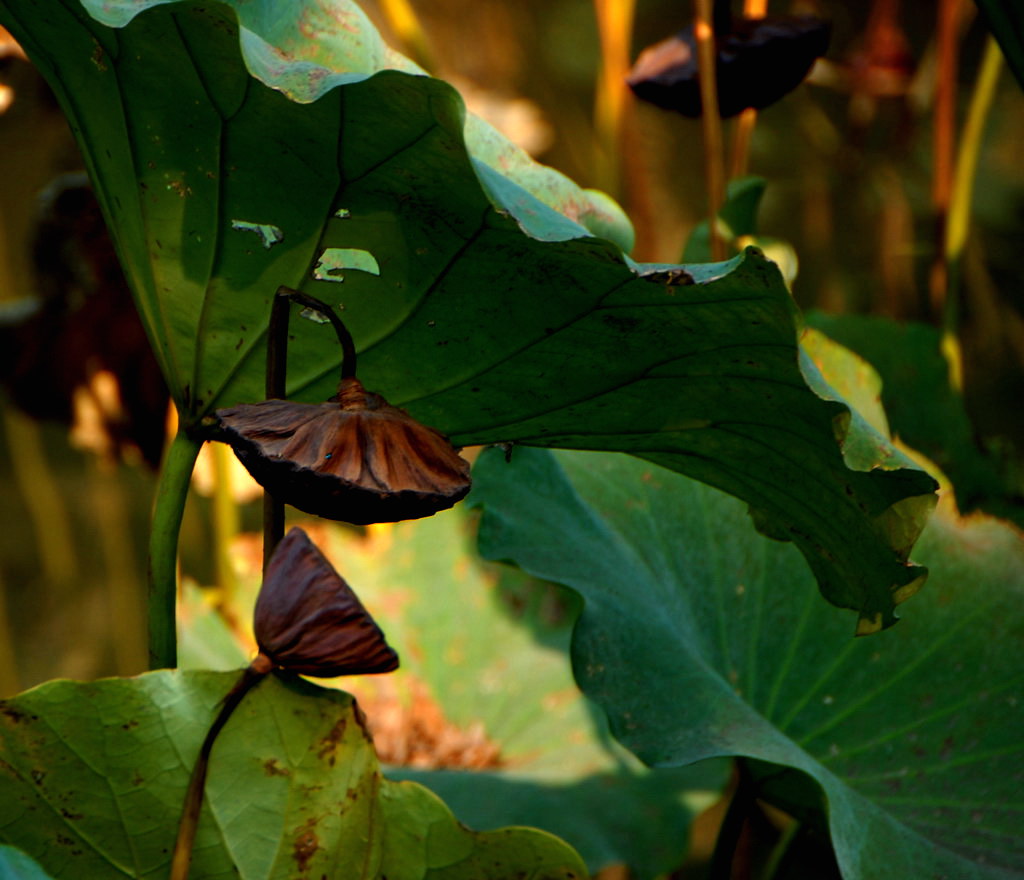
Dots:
pixel 758 61
pixel 309 621
pixel 355 458
pixel 83 322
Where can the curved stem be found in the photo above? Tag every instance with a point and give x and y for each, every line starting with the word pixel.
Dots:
pixel 168 507
pixel 182 856
pixel 348 346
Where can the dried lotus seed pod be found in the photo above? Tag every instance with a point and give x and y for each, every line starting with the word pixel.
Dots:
pixel 354 458
pixel 309 621
pixel 758 61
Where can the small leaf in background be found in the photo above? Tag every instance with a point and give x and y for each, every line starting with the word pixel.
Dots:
pixel 699 637
pixel 94 774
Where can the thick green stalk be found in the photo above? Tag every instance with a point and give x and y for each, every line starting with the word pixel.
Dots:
pixel 168 508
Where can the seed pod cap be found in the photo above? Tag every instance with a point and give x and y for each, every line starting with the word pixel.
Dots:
pixel 354 458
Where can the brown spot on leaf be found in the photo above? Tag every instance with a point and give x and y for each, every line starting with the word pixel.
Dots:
pixel 14 715
pixel 306 844
pixel 329 744
pixel 272 768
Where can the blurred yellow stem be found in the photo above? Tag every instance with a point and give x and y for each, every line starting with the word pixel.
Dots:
pixel 960 198
pixel 405 25
pixel 744 129
pixel 615 30
pixel 225 521
pixel 714 163
pixel 970 148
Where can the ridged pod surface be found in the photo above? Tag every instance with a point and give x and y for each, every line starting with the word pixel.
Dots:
pixel 354 458
pixel 308 620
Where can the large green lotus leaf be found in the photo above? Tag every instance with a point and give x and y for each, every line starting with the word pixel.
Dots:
pixel 94 775
pixel 489 647
pixel 699 637
pixel 505 324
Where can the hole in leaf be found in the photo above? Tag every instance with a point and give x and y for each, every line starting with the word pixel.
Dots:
pixel 269 234
pixel 333 260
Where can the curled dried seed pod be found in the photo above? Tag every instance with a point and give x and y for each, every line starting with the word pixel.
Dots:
pixel 309 621
pixel 354 458
pixel 758 61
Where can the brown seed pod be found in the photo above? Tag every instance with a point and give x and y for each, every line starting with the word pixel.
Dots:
pixel 758 60
pixel 308 620
pixel 355 458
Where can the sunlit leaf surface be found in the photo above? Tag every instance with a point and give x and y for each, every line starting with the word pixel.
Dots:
pixel 93 777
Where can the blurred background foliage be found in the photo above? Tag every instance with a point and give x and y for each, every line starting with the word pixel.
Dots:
pixel 859 164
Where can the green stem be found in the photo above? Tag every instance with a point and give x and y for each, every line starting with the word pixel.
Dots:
pixel 168 508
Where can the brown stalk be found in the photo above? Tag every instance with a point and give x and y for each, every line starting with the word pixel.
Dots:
pixel 714 164
pixel 743 131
